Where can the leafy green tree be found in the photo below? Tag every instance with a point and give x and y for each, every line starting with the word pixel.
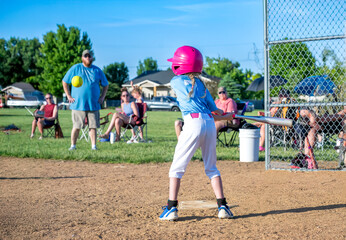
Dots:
pixel 234 81
pixel 117 73
pixel 4 67
pixel 19 59
pixel 292 61
pixel 332 66
pixel 231 85
pixel 60 51
pixel 149 64
pixel 336 71
pixel 219 67
pixel 113 91
pixel 233 78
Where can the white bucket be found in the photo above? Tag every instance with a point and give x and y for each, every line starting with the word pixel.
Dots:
pixel 249 144
pixel 112 137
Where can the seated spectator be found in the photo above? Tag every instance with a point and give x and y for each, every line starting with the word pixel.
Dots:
pixel 50 114
pixel 227 105
pixel 128 115
pixel 306 122
pixel 335 121
pixel 137 94
pixel 338 117
pixel 307 125
pixel 283 94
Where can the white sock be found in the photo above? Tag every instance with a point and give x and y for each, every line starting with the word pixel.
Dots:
pixel 93 146
pixel 73 146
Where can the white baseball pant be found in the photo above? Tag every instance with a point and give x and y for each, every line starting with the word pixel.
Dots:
pixel 198 132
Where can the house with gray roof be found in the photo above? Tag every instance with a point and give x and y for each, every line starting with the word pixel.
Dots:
pixel 157 83
pixel 22 94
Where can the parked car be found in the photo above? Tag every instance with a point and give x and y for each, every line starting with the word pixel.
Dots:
pixel 240 105
pixel 162 103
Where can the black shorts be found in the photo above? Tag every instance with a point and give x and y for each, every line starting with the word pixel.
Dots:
pixel 47 123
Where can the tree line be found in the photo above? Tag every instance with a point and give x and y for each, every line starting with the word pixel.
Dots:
pixel 43 65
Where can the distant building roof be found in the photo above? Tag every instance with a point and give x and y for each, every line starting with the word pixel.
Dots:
pixel 161 77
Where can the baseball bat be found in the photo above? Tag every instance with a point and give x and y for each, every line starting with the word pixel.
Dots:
pixel 268 120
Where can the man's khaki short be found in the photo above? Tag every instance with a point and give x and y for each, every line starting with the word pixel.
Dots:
pixel 82 118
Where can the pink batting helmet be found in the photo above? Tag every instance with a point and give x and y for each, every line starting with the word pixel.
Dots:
pixel 186 59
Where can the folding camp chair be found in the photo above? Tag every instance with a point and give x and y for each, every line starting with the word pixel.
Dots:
pixel 223 136
pixel 49 131
pixel 141 122
pixel 85 131
pixel 103 122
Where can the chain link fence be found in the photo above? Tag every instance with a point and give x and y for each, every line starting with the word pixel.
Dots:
pixel 305 74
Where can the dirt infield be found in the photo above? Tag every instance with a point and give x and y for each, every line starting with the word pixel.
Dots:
pixel 45 199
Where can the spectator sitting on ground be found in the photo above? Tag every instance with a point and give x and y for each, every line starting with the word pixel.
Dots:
pixel 224 103
pixel 128 115
pixel 50 114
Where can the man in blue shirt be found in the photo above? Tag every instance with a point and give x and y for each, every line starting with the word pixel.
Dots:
pixel 85 100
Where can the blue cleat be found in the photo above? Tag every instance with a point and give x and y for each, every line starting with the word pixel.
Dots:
pixel 170 215
pixel 224 212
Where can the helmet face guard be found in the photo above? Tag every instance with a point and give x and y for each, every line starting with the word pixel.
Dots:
pixel 186 59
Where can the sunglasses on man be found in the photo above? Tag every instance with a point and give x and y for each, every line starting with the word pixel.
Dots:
pixel 87 56
pixel 222 92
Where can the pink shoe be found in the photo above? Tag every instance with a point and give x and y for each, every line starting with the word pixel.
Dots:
pixel 261 149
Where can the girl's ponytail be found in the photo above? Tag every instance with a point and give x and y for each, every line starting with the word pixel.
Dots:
pixel 192 76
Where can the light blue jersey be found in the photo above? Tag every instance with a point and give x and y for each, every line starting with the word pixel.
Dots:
pixel 195 104
pixel 86 97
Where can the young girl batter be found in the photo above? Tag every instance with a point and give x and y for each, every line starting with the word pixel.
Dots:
pixel 196 105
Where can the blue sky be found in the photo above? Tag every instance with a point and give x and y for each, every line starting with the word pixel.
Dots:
pixel 130 31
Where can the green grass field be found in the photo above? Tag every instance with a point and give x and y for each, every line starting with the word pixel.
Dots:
pixel 160 132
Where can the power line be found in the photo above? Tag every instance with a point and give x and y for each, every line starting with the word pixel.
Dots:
pixel 255 58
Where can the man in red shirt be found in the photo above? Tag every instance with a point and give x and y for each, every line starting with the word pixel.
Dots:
pixel 50 114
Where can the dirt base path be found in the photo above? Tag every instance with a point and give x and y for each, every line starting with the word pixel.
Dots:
pixel 45 199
